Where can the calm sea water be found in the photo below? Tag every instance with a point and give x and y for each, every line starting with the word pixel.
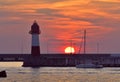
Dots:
pixel 16 73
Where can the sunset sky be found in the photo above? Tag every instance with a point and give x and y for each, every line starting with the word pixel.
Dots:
pixel 61 22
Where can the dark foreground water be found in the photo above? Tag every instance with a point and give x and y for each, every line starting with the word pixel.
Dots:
pixel 60 74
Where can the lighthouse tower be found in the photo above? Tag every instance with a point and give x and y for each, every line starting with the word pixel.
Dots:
pixel 35 31
pixel 34 60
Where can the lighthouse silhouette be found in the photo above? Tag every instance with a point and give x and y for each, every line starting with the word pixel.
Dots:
pixel 34 60
pixel 35 31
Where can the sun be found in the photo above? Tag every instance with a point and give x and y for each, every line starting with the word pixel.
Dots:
pixel 69 50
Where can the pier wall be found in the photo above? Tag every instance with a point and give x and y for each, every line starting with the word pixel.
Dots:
pixel 66 60
pixel 61 60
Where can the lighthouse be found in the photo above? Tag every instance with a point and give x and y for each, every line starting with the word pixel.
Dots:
pixel 34 59
pixel 35 31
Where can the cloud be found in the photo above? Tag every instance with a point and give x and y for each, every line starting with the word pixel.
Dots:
pixel 48 12
pixel 52 1
pixel 107 6
pixel 14 2
pixel 73 13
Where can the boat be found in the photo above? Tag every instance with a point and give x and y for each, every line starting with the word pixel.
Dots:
pixel 89 66
pixel 3 74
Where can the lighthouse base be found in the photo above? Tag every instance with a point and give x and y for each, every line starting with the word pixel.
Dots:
pixel 32 61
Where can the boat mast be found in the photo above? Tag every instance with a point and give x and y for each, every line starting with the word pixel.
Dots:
pixel 84 41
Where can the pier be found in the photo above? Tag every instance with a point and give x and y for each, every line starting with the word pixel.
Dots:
pixel 62 60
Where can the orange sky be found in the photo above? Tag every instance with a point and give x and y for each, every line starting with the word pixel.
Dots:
pixel 60 21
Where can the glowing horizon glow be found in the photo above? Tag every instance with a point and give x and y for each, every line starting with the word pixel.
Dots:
pixel 69 50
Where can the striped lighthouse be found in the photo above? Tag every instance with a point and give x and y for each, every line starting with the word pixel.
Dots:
pixel 35 49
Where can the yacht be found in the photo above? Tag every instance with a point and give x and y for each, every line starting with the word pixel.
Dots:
pixel 89 66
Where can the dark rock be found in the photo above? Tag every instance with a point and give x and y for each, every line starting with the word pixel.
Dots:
pixel 3 74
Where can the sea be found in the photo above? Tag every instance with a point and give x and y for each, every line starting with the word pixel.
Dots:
pixel 17 73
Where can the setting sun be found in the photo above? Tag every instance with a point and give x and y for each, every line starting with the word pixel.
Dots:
pixel 69 50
